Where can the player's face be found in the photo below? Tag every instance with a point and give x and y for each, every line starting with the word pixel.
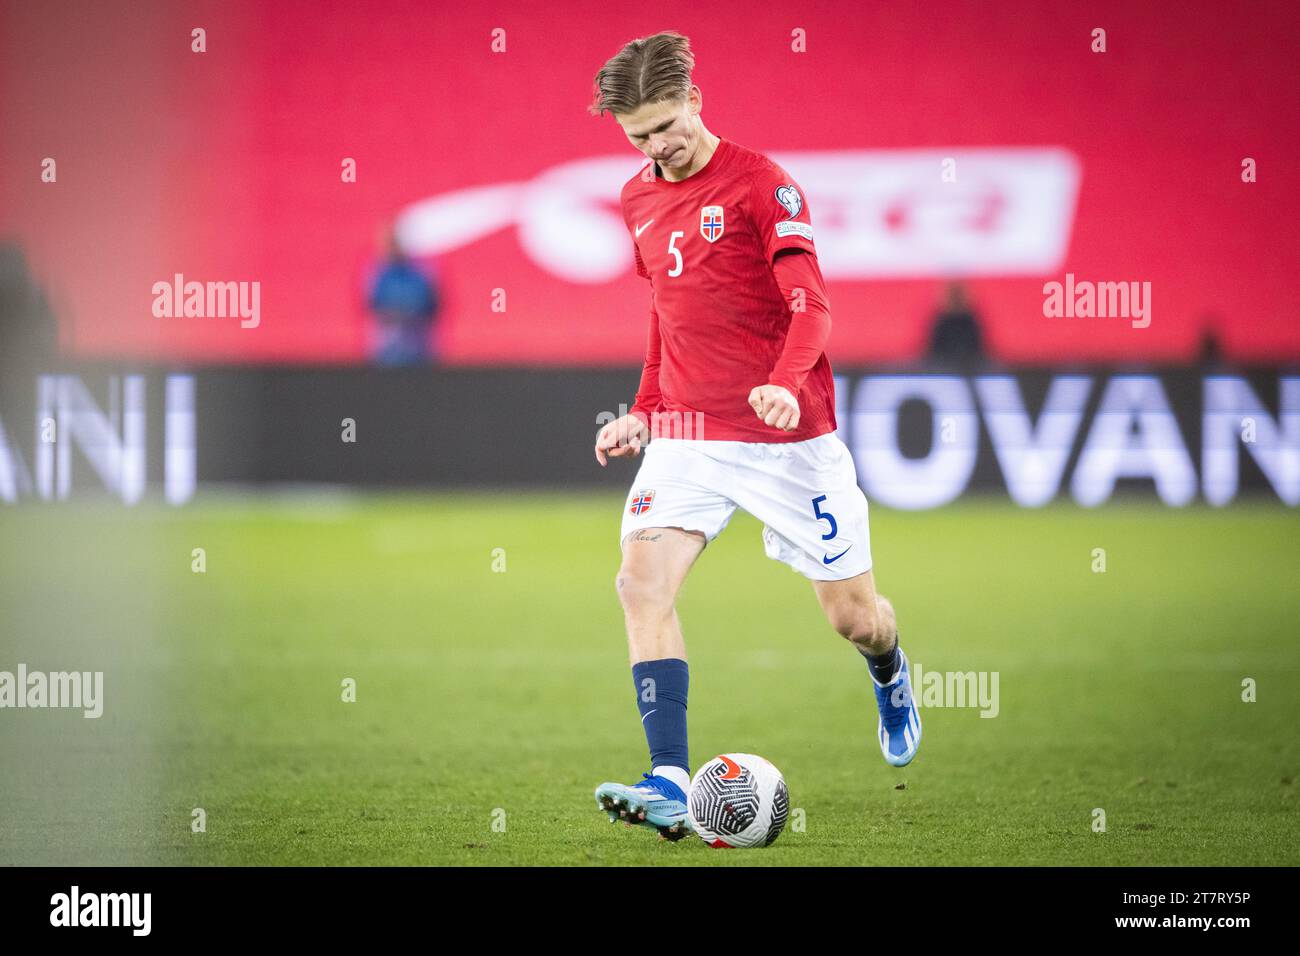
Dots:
pixel 665 132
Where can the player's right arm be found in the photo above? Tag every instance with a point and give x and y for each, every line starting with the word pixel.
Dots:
pixel 627 435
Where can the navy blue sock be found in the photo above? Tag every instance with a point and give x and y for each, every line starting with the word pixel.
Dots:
pixel 883 665
pixel 661 698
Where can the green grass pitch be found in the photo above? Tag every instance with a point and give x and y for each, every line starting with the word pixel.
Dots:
pixel 489 704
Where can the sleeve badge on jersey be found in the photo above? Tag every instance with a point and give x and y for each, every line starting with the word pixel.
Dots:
pixel 641 502
pixel 711 223
pixel 788 227
pixel 788 196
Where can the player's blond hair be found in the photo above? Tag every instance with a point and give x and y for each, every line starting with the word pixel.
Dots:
pixel 650 69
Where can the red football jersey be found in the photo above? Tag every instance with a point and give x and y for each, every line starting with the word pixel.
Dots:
pixel 718 318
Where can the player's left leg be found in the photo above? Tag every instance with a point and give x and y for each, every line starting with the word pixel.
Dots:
pixel 815 520
pixel 866 620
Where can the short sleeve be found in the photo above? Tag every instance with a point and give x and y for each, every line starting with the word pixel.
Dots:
pixel 780 212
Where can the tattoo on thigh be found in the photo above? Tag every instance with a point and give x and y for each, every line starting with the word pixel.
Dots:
pixel 646 536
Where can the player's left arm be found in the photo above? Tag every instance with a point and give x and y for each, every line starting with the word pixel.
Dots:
pixel 800 279
pixel 784 225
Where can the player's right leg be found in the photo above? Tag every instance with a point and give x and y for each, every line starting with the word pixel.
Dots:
pixel 671 513
pixel 655 563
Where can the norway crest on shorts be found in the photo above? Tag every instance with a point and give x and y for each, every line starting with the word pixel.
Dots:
pixel 641 502
pixel 711 223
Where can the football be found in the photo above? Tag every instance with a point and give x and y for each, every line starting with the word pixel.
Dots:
pixel 738 801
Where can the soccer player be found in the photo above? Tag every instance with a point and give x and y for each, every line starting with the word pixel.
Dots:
pixel 737 394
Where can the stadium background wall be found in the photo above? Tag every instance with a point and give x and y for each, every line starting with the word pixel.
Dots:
pixel 531 428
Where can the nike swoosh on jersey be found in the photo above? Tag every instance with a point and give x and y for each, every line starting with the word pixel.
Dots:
pixel 827 559
pixel 641 229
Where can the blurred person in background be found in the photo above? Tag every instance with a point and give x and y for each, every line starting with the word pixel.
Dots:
pixel 404 302
pixel 955 338
pixel 29 339
pixel 1209 351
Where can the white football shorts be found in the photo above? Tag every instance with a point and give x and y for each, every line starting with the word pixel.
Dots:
pixel 806 494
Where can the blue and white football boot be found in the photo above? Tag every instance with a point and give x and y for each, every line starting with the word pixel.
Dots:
pixel 899 728
pixel 655 802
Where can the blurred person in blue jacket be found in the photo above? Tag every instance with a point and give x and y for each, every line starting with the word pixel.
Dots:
pixel 404 302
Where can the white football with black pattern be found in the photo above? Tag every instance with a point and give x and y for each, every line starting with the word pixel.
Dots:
pixel 738 801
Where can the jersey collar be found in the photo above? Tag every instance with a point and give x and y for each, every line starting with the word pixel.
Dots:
pixel 713 163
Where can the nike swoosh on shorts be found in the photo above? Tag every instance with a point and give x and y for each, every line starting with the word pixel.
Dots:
pixel 827 559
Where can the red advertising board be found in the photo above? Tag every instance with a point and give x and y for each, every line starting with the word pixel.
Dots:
pixel 991 143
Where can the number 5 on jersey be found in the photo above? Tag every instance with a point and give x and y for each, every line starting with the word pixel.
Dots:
pixel 675 252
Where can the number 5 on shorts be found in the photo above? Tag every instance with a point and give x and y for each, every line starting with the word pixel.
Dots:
pixel 825 516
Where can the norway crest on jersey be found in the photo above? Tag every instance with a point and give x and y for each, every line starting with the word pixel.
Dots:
pixel 711 223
